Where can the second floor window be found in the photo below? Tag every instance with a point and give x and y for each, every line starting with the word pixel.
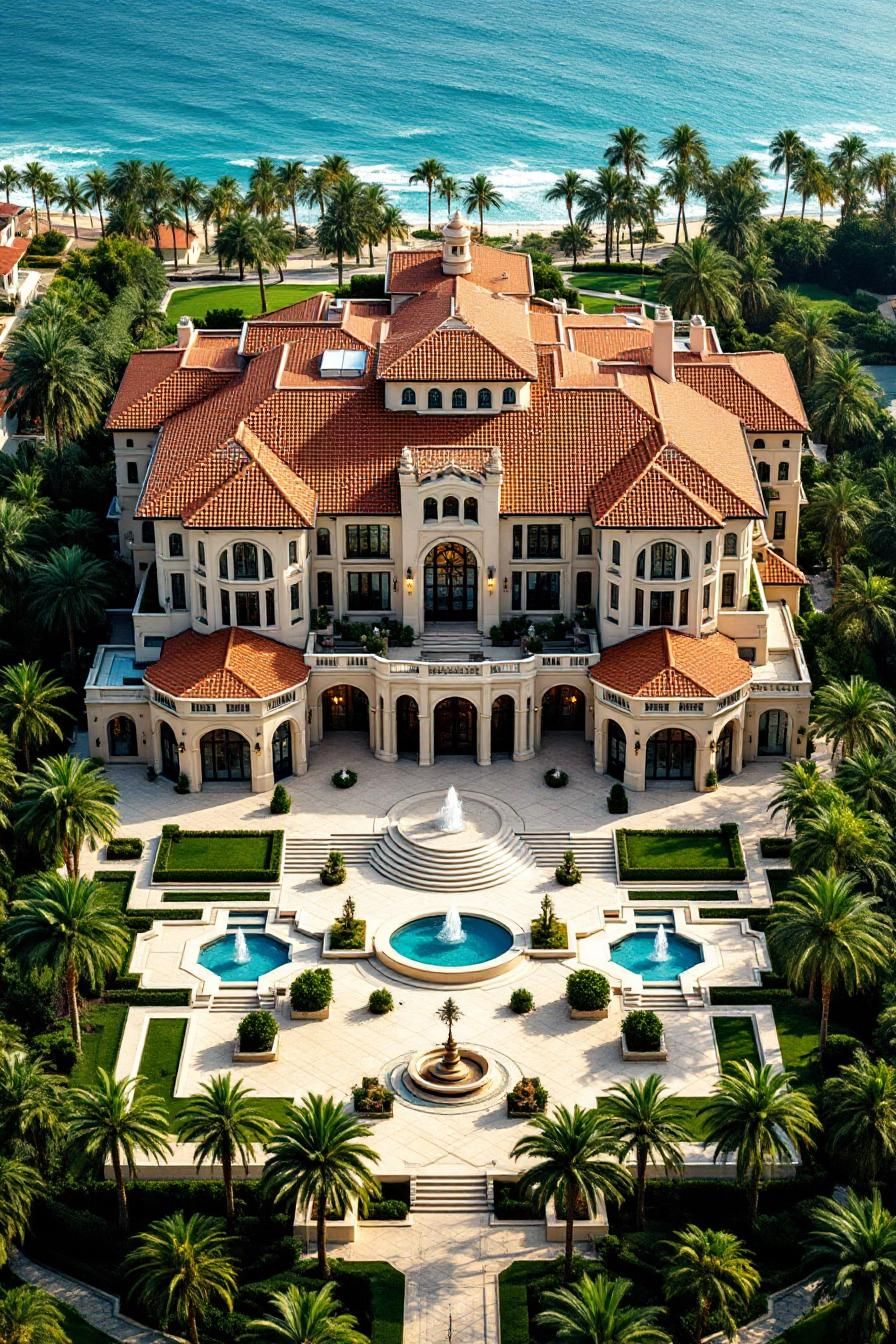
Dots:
pixel 293 553
pixel 176 545
pixel 367 539
pixel 369 592
pixel 662 608
pixel 133 474
pixel 471 509
pixel 614 596
pixel 543 541
pixel 458 399
pixel 728 587
pixel 585 542
pixel 325 590
pixel 780 525
pixel 323 541
pixel 662 560
pixel 730 546
pixel 783 471
pixel 616 553
pixel 430 509
pixel 245 561
pixel 178 593
pixel 248 609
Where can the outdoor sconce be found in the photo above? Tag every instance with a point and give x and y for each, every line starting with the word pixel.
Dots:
pixel 181 746
pixel 711 744
pixel 637 745
pixel 409 579
pixel 97 741
pixel 257 748
pixel 395 585
pixel 506 585
pixel 490 579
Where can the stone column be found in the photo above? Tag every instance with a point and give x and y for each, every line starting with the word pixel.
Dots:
pixel 484 736
pixel 426 744
pixel 388 730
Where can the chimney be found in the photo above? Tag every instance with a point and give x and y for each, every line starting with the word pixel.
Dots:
pixel 663 355
pixel 184 331
pixel 699 336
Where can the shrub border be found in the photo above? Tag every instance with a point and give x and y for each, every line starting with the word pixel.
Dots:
pixel 163 873
pixel 736 872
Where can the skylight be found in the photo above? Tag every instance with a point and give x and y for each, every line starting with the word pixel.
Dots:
pixel 343 363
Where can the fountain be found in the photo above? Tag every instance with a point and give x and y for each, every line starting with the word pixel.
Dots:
pixel 451 1070
pixel 660 951
pixel 452 932
pixel 451 814
pixel 241 952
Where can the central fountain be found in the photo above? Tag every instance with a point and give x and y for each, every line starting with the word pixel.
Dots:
pixel 241 952
pixel 452 931
pixel 450 817
pixel 660 951
pixel 450 1071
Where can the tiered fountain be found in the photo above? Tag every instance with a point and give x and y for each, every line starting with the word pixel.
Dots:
pixel 450 1071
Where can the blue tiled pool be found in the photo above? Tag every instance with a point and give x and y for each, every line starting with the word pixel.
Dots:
pixel 483 940
pixel 636 953
pixel 265 954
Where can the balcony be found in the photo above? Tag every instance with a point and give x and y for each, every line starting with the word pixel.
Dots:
pixel 784 672
pixel 494 664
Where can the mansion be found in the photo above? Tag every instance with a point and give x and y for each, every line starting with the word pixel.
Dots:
pixel 458 519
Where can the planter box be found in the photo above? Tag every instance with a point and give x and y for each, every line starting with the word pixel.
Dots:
pixel 594 1014
pixel 647 1056
pixel 346 953
pixel 550 953
pixel 257 1056
pixel 523 1115
pixel 317 1015
pixel 340 1231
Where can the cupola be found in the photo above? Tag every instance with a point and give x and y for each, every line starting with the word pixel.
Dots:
pixel 457 259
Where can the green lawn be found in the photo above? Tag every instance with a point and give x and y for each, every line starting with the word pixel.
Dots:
pixel 118 885
pixel 686 894
pixel 219 856
pixel 101 1027
pixel 736 1040
pixel 632 287
pixel 196 302
pixel 186 897
pixel 821 297
pixel 75 1326
pixel 677 849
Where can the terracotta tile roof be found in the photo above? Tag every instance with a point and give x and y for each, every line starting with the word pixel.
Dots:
pixel 169 238
pixel 229 664
pixel 430 461
pixel 415 270
pixel 775 570
pixel 576 370
pixel 312 309
pixel 545 325
pixel 300 358
pixel 758 389
pixel 12 253
pixel 257 489
pixel 615 343
pixel 656 496
pixel 11 210
pixel 212 350
pixel 664 663
pixel 154 387
pixel 459 332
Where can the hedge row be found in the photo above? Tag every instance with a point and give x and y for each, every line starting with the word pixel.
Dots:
pixel 736 871
pixel 149 998
pixel 615 267
pixel 177 897
pixel 168 849
pixel 724 995
pixel 775 846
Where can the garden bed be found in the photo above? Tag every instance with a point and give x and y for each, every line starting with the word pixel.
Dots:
pixel 219 856
pixel 723 894
pixel 680 855
pixel 175 897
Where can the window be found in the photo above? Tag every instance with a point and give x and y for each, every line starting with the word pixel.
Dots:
pixel 295 602
pixel 705 600
pixel 639 565
pixel 662 560
pixel 484 399
pixel 614 596
pixel 763 471
pixel 730 544
pixel 450 507
pixel 683 604
pixel 517 541
pixel 245 561
pixel 369 592
pixel 728 584
pixel 129 443
pixel 200 553
pixel 543 590
pixel 639 606
pixel 323 541
pixel 222 565
pixel 325 590
pixel 203 598
pixel 780 525
pixel 685 565
pixel 270 612
pixel 509 397
pixel 148 532
pixel 133 473
pixel 759 443
pixel 543 541
pixel 783 471
pixel 471 509
pixel 434 400
pixel 583 588
pixel 584 541
pixel 408 397
pixel 516 596
pixel 662 608
pixel 458 399
pixel 176 546
pixel 292 554
pixel 178 593
pixel 616 553
pixel 367 539
pixel 267 564
pixel 248 609
pixel 707 553
pixel 225 607
pixel 430 509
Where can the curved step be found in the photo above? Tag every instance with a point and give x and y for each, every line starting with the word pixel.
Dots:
pixel 490 864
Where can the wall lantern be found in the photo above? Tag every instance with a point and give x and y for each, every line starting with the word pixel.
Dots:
pixel 97 741
pixel 506 585
pixel 257 748
pixel 490 579
pixel 409 579
pixel 637 745
pixel 181 746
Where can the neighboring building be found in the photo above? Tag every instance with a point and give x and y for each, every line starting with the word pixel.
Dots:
pixel 187 246
pixel 456 456
pixel 16 284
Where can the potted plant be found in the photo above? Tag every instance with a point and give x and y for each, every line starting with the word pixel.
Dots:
pixel 527 1097
pixel 373 1099
pixel 310 995
pixel 588 994
pixel 343 779
pixel 549 934
pixel 280 801
pixel 347 933
pixel 617 799
pixel 556 778
pixel 712 780
pixel 258 1040
pixel 522 1001
pixel 568 873
pixel 334 872
pixel 380 1002
pixel 642 1036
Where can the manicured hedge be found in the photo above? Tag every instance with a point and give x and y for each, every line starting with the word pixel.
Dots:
pixel 775 846
pixel 616 267
pixel 722 995
pixel 167 869
pixel 176 896
pixel 124 847
pixel 149 998
pixel 735 870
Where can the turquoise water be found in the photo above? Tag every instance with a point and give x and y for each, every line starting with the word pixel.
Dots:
pixel 515 88
pixel 265 954
pixel 634 953
pixel 419 942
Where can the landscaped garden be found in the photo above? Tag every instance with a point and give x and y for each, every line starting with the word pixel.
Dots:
pixel 680 855
pixel 197 302
pixel 632 287
pixel 218 856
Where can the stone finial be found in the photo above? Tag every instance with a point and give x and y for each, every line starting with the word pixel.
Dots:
pixel 406 463
pixel 494 465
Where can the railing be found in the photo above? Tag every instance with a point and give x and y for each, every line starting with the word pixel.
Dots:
pixel 779 688
pixel 412 667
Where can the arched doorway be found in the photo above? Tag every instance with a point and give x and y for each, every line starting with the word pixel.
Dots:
pixel 615 750
pixel 170 753
pixel 345 709
pixel 563 708
pixel 281 751
pixel 454 727
pixel 225 757
pixel 122 736
pixel 407 726
pixel 449 583
pixel 773 729
pixel 670 755
pixel 503 716
pixel 725 751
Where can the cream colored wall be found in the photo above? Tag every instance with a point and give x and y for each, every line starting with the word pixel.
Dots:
pixel 639 727
pixel 132 445
pixel 393 391
pixel 257 727
pixel 789 492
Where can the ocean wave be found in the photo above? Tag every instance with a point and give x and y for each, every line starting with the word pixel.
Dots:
pixel 413 131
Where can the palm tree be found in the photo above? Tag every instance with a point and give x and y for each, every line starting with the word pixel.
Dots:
pixel 592 1310
pixel 307 1316
pixel 317 189
pixel 685 151
pixel 698 277
pixel 808 174
pixel 836 837
pixel 29 1106
pixel 49 190
pixel 66 800
pixel 271 243
pixel 53 378
pixel 112 1120
pixel 572 240
pixel 713 1270
pixel 852 1248
pixel 843 400
pixel 600 199
pixel 481 194
pixel 73 197
pixel 853 714
pixel 128 180
pixel 394 225
pixel 72 926
pixel 159 186
pixel 69 589
pixel 182 1266
pixel 15 523
pixel 628 150
pixel 262 185
pixel 651 204
pixel 10 178
pixel 291 180
pixel 224 1123
pixel 447 190
pixel 317 1160
pixel 189 192
pixel 839 509
pixel 881 175
pixel 643 1120
pixel 869 779
pixel 786 149
pixel 864 605
pixel 803 788
pixel 754 1113
pixel 860 1115
pixel 848 159
pixel 97 186
pixel 31 707
pixel 30 1316
pixel 825 930
pixel 236 241
pixel 341 229
pixel 431 172
pixel 31 178
pixel 373 203
pixel 804 334
pixel 20 1184
pixel 572 1166
pixel 9 778
pixel 757 283
pixel 734 217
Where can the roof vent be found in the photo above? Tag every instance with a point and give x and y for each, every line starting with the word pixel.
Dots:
pixel 343 363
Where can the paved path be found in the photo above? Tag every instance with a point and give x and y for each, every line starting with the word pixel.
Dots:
pixel 785 1309
pixel 99 1309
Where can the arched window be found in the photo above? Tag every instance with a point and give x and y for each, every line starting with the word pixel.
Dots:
pixel 759 443
pixel 484 400
pixel 730 544
pixel 293 552
pixel 430 509
pixel 783 471
pixel 408 397
pixel 267 564
pixel 763 472
pixel 434 400
pixel 471 509
pixel 458 399
pixel 639 564
pixel 662 560
pixel 685 565
pixel 245 560
pixel 323 541
pixel 122 734
pixel 450 507
pixel 509 397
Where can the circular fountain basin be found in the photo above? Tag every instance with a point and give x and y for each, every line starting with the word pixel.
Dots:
pixel 265 954
pixel 412 947
pixel 421 1074
pixel 634 952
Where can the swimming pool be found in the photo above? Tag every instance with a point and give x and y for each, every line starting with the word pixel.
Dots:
pixel 636 953
pixel 265 954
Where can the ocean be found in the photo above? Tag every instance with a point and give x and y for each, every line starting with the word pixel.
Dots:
pixel 517 89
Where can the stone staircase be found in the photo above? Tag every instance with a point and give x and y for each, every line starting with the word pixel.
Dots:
pixel 302 855
pixel 450 643
pixel 236 1001
pixel 661 1000
pixel 500 859
pixel 594 853
pixel 446 1193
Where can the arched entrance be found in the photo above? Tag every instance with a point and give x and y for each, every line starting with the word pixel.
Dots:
pixel 449 583
pixel 122 736
pixel 773 730
pixel 170 753
pixel 225 757
pixel 563 708
pixel 454 727
pixel 670 755
pixel 281 751
pixel 345 709
pixel 503 716
pixel 615 750
pixel 725 751
pixel 407 726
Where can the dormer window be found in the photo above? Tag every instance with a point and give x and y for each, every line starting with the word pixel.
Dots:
pixel 458 399
pixel 450 507
pixel 484 400
pixel 471 509
pixel 434 400
pixel 430 509
pixel 408 397
pixel 509 397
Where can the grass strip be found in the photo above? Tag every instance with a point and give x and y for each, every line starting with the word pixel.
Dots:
pixel 736 1041
pixel 187 897
pixel 102 1027
pixel 685 894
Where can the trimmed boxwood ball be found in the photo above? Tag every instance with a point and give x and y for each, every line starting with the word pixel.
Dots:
pixel 343 779
pixel 280 801
pixel 556 778
pixel 257 1031
pixel 334 873
pixel 380 1002
pixel 587 991
pixel 643 1030
pixel 568 873
pixel 617 800
pixel 522 1001
pixel 311 991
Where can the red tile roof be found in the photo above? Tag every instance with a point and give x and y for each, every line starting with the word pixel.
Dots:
pixel 775 570
pixel 458 332
pixel 664 663
pixel 415 270
pixel 757 388
pixel 11 254
pixel 229 664
pixel 156 385
pixel 11 210
pixel 171 238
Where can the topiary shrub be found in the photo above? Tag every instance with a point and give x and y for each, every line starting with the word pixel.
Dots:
pixel 712 779
pixel 334 873
pixel 380 1002
pixel 548 932
pixel 555 778
pixel 348 933
pixel 311 991
pixel 385 1210
pixel 183 784
pixel 643 1030
pixel 587 991
pixel 280 801
pixel 527 1097
pixel 617 800
pixel 372 1098
pixel 257 1032
pixel 124 847
pixel 58 1049
pixel 344 779
pixel 840 1050
pixel 522 1001
pixel 568 873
